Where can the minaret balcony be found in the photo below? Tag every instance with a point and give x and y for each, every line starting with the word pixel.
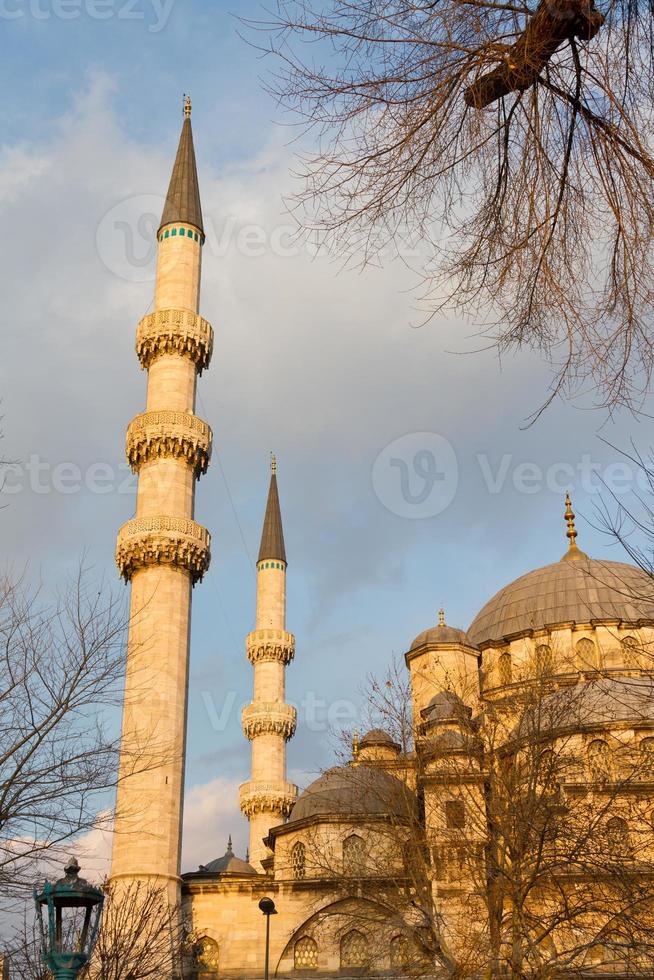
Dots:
pixel 176 435
pixel 174 332
pixel 269 717
pixel 270 645
pixel 259 797
pixel 149 541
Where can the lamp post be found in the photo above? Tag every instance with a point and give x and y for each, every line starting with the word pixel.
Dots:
pixel 73 908
pixel 267 906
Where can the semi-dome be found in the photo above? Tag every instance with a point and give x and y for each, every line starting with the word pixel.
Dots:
pixel 566 592
pixel 596 704
pixel 357 791
pixel 227 864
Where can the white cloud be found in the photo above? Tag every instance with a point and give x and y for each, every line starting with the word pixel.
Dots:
pixel 93 850
pixel 323 368
pixel 211 814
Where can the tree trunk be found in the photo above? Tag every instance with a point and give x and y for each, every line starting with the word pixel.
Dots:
pixel 554 22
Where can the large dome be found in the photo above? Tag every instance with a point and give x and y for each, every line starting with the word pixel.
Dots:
pixel 566 592
pixel 355 791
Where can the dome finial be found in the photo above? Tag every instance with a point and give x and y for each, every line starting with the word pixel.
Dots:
pixel 355 745
pixel 229 845
pixel 187 106
pixel 573 553
pixel 441 617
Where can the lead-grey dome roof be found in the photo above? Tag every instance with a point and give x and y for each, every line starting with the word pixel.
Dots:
pixel 355 791
pixel 377 736
pixel 439 634
pixel 446 706
pixel 227 864
pixel 566 591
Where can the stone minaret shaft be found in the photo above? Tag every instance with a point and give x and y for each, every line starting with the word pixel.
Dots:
pixel 162 551
pixel 268 721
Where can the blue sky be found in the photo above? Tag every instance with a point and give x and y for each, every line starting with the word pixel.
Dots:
pixel 323 366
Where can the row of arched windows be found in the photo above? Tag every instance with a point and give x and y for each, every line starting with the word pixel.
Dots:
pixel 354 952
pixel 587 657
pixel 600 759
pixel 353 854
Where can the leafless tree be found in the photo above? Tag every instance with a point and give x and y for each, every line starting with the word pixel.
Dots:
pixel 522 854
pixel 511 138
pixel 141 934
pixel 62 666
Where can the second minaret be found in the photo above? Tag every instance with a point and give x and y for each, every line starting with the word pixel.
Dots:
pixel 268 722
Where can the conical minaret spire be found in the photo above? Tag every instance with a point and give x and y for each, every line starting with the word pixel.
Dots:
pixel 268 722
pixel 183 197
pixel 272 536
pixel 163 552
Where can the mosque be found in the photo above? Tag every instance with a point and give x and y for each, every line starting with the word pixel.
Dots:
pixel 579 624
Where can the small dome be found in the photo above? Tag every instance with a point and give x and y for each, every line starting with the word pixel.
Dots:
pixel 378 737
pixel 439 634
pixel 227 864
pixel 446 706
pixel 566 592
pixel 604 702
pixel 354 791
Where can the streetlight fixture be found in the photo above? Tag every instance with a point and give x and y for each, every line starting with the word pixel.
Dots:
pixel 267 906
pixel 73 908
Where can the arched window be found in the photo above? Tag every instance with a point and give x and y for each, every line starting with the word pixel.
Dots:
pixel 617 831
pixel 646 747
pixel 631 652
pixel 455 814
pixel 547 770
pixel 206 957
pixel 505 669
pixel 299 860
pixel 599 760
pixel 400 956
pixel 354 949
pixel 586 652
pixel 354 855
pixel 544 660
pixel 306 954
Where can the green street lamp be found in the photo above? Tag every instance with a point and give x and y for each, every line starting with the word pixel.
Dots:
pixel 68 913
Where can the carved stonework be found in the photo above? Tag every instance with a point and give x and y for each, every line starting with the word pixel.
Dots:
pixel 270 645
pixel 180 435
pixel 278 798
pixel 148 541
pixel 269 717
pixel 174 332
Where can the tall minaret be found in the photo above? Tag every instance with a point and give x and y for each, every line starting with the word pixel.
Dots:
pixel 162 551
pixel 268 721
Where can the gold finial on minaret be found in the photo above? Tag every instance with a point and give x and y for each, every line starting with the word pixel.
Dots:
pixel 187 106
pixel 573 553
pixel 273 464
pixel 441 617
pixel 355 745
